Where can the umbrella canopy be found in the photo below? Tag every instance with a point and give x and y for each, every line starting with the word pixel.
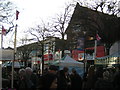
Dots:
pixel 68 61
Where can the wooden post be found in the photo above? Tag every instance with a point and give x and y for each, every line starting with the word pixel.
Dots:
pixel 12 78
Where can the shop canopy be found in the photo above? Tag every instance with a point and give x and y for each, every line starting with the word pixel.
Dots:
pixel 68 61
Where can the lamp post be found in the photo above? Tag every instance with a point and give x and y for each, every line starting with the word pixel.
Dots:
pixel 84 59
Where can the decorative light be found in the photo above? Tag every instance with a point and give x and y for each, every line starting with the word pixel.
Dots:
pixel 90 38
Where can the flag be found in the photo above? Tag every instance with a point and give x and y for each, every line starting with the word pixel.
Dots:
pixel 10 29
pixel 3 31
pixel 17 13
pixel 98 37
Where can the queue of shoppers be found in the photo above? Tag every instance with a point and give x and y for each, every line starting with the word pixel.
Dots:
pixel 96 78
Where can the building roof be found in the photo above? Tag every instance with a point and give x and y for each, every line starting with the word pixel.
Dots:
pixel 91 21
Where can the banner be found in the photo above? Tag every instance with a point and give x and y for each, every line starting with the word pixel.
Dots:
pixel 80 43
pixel 6 54
pixel 98 37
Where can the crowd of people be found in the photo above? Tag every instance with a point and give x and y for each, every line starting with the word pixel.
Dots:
pixel 96 78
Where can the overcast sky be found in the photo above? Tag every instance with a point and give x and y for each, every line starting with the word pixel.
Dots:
pixel 34 10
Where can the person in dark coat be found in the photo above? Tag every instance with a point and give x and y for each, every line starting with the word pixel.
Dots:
pixel 116 80
pixel 64 82
pixel 49 79
pixel 32 79
pixel 76 80
pixel 104 82
pixel 90 78
pixel 22 82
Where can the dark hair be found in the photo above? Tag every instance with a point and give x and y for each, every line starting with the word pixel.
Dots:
pixel 53 67
pixel 65 69
pixel 74 71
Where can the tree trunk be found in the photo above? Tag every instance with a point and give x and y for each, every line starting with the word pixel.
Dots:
pixel 63 45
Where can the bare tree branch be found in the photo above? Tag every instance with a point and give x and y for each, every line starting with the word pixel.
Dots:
pixel 6 10
pixel 61 21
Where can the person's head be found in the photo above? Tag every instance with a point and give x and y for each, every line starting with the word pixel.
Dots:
pixel 28 70
pixel 65 70
pixel 91 68
pixel 22 72
pixel 74 71
pixel 53 69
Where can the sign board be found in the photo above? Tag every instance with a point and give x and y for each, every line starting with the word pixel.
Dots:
pixel 6 54
pixel 80 43
pixel 80 56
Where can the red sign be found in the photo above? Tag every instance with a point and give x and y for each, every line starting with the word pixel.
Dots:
pixel 76 53
pixel 100 51
pixel 48 57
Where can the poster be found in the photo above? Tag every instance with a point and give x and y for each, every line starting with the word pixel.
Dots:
pixel 80 43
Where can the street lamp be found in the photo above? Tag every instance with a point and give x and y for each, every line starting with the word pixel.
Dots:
pixel 84 60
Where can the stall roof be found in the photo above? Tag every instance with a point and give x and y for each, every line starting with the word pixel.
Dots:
pixel 117 54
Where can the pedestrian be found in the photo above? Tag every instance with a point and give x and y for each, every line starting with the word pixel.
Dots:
pixel 22 82
pixel 49 79
pixel 104 82
pixel 64 82
pixel 90 78
pixel 76 80
pixel 116 80
pixel 32 79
